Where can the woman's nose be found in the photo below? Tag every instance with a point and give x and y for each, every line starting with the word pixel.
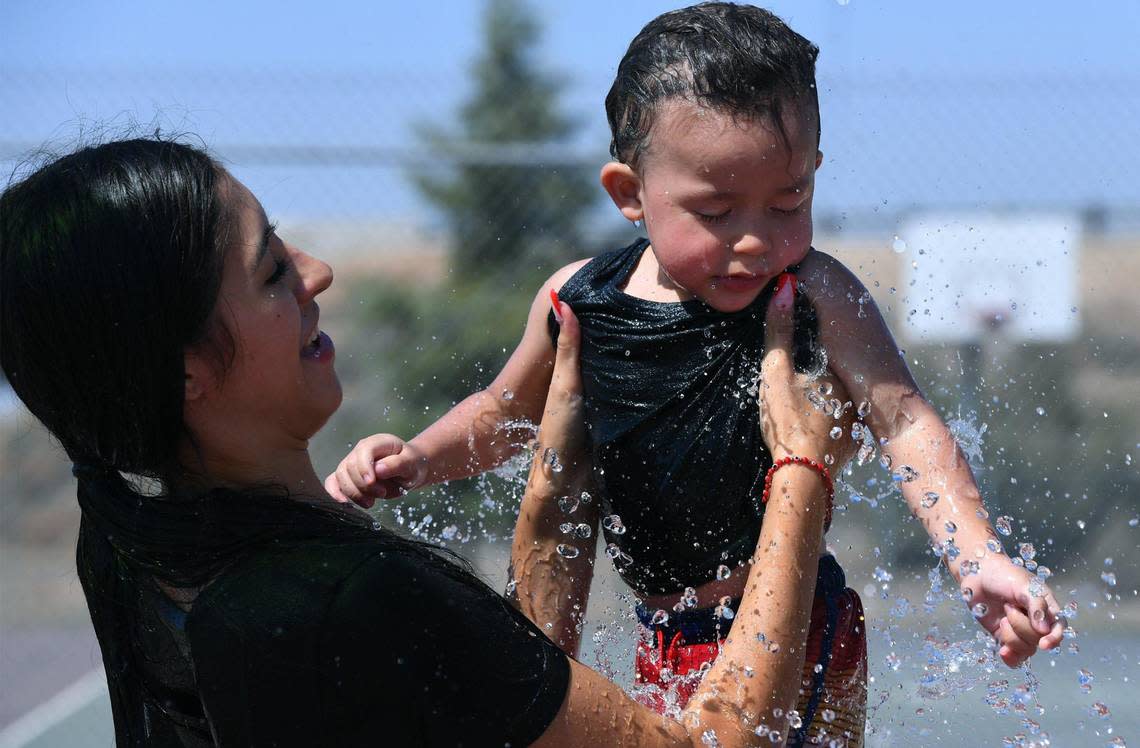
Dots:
pixel 315 275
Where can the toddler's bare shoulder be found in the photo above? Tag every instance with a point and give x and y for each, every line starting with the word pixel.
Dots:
pixel 564 273
pixel 828 282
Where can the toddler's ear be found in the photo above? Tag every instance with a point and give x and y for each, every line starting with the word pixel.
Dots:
pixel 624 188
pixel 818 160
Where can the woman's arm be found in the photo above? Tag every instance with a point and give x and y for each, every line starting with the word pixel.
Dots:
pixel 750 680
pixel 551 570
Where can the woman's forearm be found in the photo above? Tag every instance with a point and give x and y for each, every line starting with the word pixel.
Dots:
pixel 551 570
pixel 759 668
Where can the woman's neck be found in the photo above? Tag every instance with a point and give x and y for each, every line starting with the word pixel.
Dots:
pixel 288 468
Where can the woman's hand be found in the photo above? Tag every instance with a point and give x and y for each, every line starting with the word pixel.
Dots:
pixel 562 434
pixel 790 423
pixel 551 570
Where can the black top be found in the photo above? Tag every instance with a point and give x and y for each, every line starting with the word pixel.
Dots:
pixel 345 643
pixel 671 403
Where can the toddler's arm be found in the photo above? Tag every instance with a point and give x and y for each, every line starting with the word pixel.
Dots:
pixel 938 487
pixel 475 435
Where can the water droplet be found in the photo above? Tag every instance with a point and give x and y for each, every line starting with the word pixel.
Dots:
pixel 723 572
pixel 1036 587
pixel 905 474
pixel 1044 572
pixel 1085 679
pixel 864 455
pixel 508 395
pixel 836 432
pixel 929 499
pixel 679 607
pixel 583 530
pixel 612 523
pixel 898 246
pixel 980 610
pixel 568 504
pixel 660 618
pixel 968 567
pixel 981 513
pixel 1108 578
pixel 566 528
pixel 885 461
pixel 826 388
pixel 1004 525
pixel 951 527
pixel 773 647
pixel 864 409
pixel 1040 410
pixel 512 587
pixel 828 715
pixel 708 737
pixel 567 551
pixel 967 594
pixel 1027 551
pixel 376 525
pixel 550 457
pixel 795 721
pixel 993 546
pixel 1098 709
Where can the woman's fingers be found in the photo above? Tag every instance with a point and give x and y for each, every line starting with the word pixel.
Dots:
pixel 567 373
pixel 778 328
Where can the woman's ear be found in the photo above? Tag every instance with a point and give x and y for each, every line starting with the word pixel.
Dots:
pixel 199 376
pixel 624 187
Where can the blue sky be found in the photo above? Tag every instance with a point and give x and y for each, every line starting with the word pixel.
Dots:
pixel 924 102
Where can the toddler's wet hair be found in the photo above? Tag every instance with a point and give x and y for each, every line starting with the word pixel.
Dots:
pixel 734 58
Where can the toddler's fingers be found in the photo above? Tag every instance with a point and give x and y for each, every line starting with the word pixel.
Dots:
pixel 1022 627
pixel 1013 650
pixel 1040 610
pixel 332 488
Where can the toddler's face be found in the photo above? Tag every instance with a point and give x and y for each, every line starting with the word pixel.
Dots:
pixel 727 205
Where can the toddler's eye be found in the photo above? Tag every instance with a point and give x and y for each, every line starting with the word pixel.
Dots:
pixel 789 211
pixel 717 218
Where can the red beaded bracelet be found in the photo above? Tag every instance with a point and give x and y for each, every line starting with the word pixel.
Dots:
pixel 819 467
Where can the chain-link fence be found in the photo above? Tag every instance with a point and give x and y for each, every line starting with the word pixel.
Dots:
pixel 441 234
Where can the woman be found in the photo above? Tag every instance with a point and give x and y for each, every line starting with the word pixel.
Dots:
pixel 152 319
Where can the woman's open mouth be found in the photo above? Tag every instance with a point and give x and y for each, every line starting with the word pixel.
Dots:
pixel 319 348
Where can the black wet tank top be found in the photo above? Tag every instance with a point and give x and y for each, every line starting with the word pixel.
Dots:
pixel 671 406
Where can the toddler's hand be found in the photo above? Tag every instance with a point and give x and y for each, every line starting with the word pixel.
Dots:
pixel 382 466
pixel 1022 622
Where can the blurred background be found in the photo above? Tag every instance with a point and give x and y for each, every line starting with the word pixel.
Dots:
pixel 979 176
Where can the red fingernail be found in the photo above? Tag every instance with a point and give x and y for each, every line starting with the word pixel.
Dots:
pixel 785 294
pixel 783 280
pixel 554 305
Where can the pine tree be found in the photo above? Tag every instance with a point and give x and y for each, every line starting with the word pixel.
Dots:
pixel 507 199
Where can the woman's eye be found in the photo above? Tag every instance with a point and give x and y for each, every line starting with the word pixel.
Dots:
pixel 717 218
pixel 280 267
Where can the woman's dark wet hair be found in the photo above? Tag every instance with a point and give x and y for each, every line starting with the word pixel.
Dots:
pixel 110 267
pixel 738 59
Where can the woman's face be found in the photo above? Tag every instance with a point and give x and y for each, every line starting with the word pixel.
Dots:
pixel 280 386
